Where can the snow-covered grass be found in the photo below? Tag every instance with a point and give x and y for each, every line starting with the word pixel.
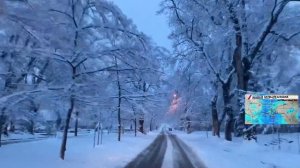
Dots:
pixel 21 135
pixel 218 153
pixel 18 137
pixel 80 152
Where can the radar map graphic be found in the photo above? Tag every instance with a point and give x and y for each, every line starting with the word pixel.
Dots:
pixel 271 109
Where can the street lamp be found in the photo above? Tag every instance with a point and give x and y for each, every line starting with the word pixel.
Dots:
pixel 175 95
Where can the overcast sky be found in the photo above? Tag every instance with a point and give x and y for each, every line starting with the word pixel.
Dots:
pixel 143 14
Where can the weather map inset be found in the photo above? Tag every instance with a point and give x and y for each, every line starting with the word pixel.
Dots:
pixel 271 109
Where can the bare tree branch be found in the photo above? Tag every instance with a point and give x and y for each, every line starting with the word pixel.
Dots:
pixel 285 38
pixel 273 20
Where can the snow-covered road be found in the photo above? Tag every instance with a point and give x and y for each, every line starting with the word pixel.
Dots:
pixel 183 156
pixel 154 156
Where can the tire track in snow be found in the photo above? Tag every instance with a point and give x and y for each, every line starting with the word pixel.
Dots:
pixel 179 155
pixel 183 156
pixel 152 156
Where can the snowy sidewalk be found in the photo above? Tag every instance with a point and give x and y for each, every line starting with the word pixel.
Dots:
pixel 217 153
pixel 80 152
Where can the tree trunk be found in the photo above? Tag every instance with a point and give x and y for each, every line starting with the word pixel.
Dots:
pixel 31 127
pixel 237 63
pixel 12 127
pixel 240 46
pixel 227 110
pixel 119 102
pixel 65 135
pixel 119 113
pixel 95 131
pixel 98 135
pixel 151 124
pixel 135 126
pixel 228 126
pixel 237 54
pixel 76 124
pixel 0 135
pixel 215 120
pixel 3 119
pixel 141 122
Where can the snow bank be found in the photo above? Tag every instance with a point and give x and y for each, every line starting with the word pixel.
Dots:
pixel 80 152
pixel 218 153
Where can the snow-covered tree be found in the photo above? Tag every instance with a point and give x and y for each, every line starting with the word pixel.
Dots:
pixel 75 53
pixel 228 36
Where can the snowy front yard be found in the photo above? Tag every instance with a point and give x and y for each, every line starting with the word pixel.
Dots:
pixel 80 152
pixel 218 153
